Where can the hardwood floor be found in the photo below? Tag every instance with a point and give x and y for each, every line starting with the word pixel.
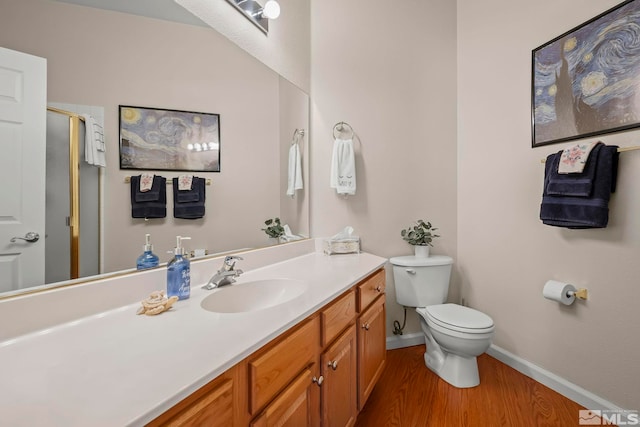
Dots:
pixel 409 394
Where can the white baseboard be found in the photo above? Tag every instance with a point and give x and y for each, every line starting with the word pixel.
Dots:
pixel 401 341
pixel 554 382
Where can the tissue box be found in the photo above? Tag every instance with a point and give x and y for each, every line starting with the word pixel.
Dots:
pixel 342 246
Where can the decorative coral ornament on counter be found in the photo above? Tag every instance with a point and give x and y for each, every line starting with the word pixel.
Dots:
pixel 156 303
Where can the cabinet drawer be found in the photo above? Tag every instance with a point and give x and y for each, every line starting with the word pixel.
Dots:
pixel 212 405
pixel 270 371
pixel 372 287
pixel 337 316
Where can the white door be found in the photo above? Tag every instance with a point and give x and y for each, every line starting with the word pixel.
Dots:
pixel 23 98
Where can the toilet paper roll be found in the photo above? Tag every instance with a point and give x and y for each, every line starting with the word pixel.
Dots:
pixel 559 291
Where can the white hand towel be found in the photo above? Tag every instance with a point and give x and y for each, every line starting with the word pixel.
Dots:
pixel 185 182
pixel 94 146
pixel 574 158
pixel 146 182
pixel 294 180
pixel 343 167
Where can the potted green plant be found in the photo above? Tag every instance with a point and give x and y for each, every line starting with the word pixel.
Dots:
pixel 274 229
pixel 420 235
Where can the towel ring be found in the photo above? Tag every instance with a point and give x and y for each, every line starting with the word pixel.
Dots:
pixel 340 127
pixel 298 133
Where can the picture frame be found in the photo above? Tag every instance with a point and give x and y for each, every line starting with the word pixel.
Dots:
pixel 169 140
pixel 586 82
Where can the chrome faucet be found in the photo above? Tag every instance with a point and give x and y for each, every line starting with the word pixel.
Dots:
pixel 225 275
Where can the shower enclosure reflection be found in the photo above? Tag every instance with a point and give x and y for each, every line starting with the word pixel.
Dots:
pixel 72 201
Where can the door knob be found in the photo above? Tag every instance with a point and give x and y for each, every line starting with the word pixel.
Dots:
pixel 30 237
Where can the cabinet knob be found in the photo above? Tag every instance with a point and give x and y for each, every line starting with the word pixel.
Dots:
pixel 333 365
pixel 365 326
pixel 379 288
pixel 318 380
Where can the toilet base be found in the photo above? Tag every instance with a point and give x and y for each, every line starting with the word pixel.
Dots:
pixel 459 371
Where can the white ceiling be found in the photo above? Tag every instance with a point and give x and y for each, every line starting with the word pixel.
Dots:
pixel 167 10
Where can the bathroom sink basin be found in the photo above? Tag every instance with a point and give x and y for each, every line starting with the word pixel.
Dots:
pixel 253 296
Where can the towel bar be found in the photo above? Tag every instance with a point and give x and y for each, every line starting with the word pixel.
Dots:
pixel 620 150
pixel 127 180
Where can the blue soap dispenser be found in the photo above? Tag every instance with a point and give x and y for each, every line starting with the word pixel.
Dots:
pixel 179 272
pixel 148 259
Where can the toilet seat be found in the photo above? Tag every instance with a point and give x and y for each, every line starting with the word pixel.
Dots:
pixel 457 318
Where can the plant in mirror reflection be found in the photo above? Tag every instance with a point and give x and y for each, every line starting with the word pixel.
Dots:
pixel 274 228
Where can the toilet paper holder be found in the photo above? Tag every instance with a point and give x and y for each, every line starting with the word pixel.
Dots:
pixel 581 293
pixel 562 292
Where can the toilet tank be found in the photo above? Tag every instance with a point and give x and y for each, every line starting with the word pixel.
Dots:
pixel 421 281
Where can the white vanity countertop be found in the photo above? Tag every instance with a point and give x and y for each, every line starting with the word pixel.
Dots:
pixel 119 369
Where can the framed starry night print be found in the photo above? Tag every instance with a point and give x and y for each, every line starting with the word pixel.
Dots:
pixel 171 140
pixel 586 82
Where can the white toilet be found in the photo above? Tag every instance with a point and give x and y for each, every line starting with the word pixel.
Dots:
pixel 455 335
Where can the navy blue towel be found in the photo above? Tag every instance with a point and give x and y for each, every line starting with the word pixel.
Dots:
pixel 580 200
pixel 152 203
pixel 189 204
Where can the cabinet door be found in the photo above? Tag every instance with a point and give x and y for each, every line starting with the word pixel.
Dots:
pixel 292 407
pixel 340 389
pixel 371 349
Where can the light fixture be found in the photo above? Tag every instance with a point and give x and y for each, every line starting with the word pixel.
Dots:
pixel 271 9
pixel 256 13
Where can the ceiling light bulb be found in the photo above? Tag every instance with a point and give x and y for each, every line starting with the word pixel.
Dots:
pixel 271 9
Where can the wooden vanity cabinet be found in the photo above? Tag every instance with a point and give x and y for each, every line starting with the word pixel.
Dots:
pixel 372 349
pixel 319 373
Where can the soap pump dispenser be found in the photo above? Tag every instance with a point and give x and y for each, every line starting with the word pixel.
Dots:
pixel 179 272
pixel 148 259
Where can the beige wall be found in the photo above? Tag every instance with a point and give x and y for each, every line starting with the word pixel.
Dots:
pixel 285 49
pixel 98 57
pixel 294 114
pixel 505 253
pixel 389 73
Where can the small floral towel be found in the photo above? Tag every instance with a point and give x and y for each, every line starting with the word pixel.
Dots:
pixel 574 158
pixel 146 182
pixel 185 182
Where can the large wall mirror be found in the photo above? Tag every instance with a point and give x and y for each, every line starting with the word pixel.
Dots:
pixel 103 58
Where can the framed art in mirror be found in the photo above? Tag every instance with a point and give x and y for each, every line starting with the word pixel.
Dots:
pixel 172 140
pixel 586 82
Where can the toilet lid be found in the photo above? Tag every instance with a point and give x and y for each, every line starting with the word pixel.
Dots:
pixel 458 317
pixel 414 261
